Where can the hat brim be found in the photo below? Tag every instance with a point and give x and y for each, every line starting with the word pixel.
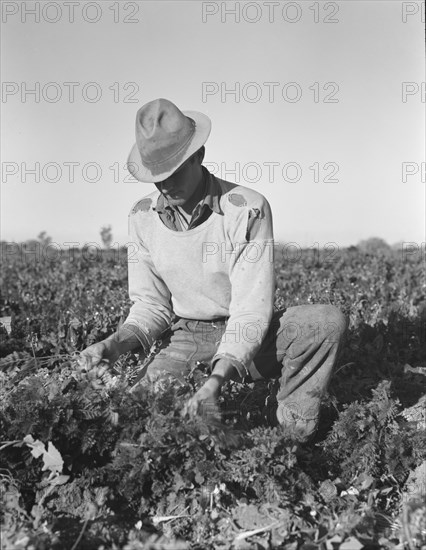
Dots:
pixel 144 174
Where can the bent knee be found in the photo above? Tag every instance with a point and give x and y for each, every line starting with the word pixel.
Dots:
pixel 334 323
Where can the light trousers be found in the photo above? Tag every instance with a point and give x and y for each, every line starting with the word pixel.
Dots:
pixel 299 351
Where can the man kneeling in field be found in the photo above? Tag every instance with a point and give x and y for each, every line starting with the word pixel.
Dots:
pixel 202 264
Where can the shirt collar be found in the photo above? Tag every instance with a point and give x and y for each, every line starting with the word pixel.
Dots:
pixel 211 197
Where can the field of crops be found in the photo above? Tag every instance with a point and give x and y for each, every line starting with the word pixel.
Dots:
pixel 87 464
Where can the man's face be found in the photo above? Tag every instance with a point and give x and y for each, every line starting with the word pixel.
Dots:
pixel 182 184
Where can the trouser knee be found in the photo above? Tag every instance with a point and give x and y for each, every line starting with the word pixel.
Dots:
pixel 333 325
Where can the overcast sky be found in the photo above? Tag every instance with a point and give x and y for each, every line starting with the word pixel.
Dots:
pixel 326 118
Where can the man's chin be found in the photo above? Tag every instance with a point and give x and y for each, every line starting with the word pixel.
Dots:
pixel 175 201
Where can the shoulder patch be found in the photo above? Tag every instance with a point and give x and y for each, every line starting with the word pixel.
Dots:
pixel 143 205
pixel 237 199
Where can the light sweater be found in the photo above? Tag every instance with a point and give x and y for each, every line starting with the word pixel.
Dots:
pixel 221 268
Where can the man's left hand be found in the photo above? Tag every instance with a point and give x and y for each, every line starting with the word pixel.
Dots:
pixel 204 402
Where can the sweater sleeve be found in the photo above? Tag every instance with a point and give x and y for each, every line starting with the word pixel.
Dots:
pixel 151 311
pixel 252 276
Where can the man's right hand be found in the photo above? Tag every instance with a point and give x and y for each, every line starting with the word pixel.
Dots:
pixel 110 349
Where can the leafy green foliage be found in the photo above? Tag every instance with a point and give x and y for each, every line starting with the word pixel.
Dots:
pixel 137 475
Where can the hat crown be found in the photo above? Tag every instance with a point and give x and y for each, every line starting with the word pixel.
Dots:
pixel 162 131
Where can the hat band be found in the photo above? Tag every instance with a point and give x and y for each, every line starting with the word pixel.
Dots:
pixel 175 153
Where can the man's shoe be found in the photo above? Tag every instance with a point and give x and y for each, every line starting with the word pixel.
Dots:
pixel 295 424
pixel 299 428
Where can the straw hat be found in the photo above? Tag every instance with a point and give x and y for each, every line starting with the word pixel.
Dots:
pixel 165 138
